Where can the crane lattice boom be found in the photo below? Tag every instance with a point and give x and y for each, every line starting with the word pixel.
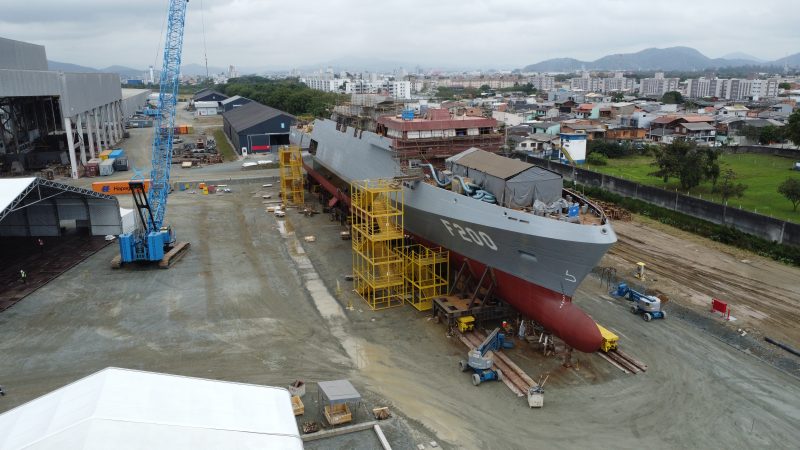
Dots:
pixel 165 120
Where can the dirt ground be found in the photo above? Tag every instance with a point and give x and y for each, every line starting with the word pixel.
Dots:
pixel 762 293
pixel 252 301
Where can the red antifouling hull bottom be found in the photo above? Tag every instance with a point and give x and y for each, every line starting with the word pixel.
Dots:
pixel 550 309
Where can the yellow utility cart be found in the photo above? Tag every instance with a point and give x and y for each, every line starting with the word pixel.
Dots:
pixel 610 339
pixel 466 323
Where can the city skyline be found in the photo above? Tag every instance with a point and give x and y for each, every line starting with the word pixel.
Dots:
pixel 446 34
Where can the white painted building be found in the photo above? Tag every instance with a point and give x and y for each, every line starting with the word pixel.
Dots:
pixel 325 84
pixel 399 89
pixel 542 82
pixel 573 144
pixel 510 119
pixel 732 89
pixel 206 108
pixel 658 85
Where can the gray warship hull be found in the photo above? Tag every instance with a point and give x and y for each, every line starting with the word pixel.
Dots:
pixel 538 261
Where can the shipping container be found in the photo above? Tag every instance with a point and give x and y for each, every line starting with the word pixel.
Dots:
pixel 92 169
pixel 116 187
pixel 106 167
pixel 121 163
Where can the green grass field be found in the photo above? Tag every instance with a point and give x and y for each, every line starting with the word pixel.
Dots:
pixel 223 146
pixel 761 173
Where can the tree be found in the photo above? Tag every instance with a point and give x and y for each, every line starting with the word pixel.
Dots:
pixel 688 163
pixel 770 134
pixel 785 86
pixel 790 189
pixel 485 88
pixel 672 97
pixel 792 129
pixel 726 188
pixel 617 97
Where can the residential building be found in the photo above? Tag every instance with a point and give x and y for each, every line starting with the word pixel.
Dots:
pixel 705 87
pixel 733 111
pixel 399 89
pixel 732 89
pixel 697 131
pixel 542 82
pixel 591 129
pixel 537 142
pixel 626 134
pixel 508 118
pixel 658 85
pixel 574 145
pixel 588 83
pixel 325 84
pixel 551 128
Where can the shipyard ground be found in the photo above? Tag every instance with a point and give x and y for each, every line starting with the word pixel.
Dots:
pixel 253 302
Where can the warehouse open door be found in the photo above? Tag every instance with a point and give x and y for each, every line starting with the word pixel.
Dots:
pixel 46 228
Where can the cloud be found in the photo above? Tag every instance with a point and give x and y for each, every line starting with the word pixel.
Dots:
pixel 440 33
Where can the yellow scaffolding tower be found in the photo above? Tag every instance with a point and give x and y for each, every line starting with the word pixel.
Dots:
pixel 426 274
pixel 291 167
pixel 376 213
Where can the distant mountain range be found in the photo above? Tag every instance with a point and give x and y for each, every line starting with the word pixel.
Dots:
pixel 129 72
pixel 672 58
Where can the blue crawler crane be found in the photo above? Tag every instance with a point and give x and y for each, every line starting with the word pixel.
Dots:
pixel 480 364
pixel 152 240
pixel 649 306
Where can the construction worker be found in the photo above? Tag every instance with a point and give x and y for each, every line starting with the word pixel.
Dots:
pixel 23 276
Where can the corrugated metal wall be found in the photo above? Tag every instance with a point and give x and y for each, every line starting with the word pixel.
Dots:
pixel 133 100
pixel 83 91
pixel 22 55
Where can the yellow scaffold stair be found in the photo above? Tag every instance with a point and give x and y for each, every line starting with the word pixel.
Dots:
pixel 376 214
pixel 290 161
pixel 426 274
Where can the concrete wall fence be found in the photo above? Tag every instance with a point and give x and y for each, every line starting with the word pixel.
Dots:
pixel 759 225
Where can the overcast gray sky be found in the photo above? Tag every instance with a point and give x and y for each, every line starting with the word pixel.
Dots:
pixel 431 33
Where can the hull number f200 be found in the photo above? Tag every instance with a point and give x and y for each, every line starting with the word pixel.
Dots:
pixel 468 234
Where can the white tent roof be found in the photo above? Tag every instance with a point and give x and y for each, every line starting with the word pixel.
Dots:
pixel 130 409
pixel 10 188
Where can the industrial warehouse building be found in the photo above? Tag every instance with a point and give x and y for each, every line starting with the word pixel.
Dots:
pixel 209 95
pixel 46 116
pixel 257 128
pixel 45 228
pixel 206 108
pixel 234 102
pixel 134 100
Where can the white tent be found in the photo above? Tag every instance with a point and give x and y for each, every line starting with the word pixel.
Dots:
pixel 130 409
